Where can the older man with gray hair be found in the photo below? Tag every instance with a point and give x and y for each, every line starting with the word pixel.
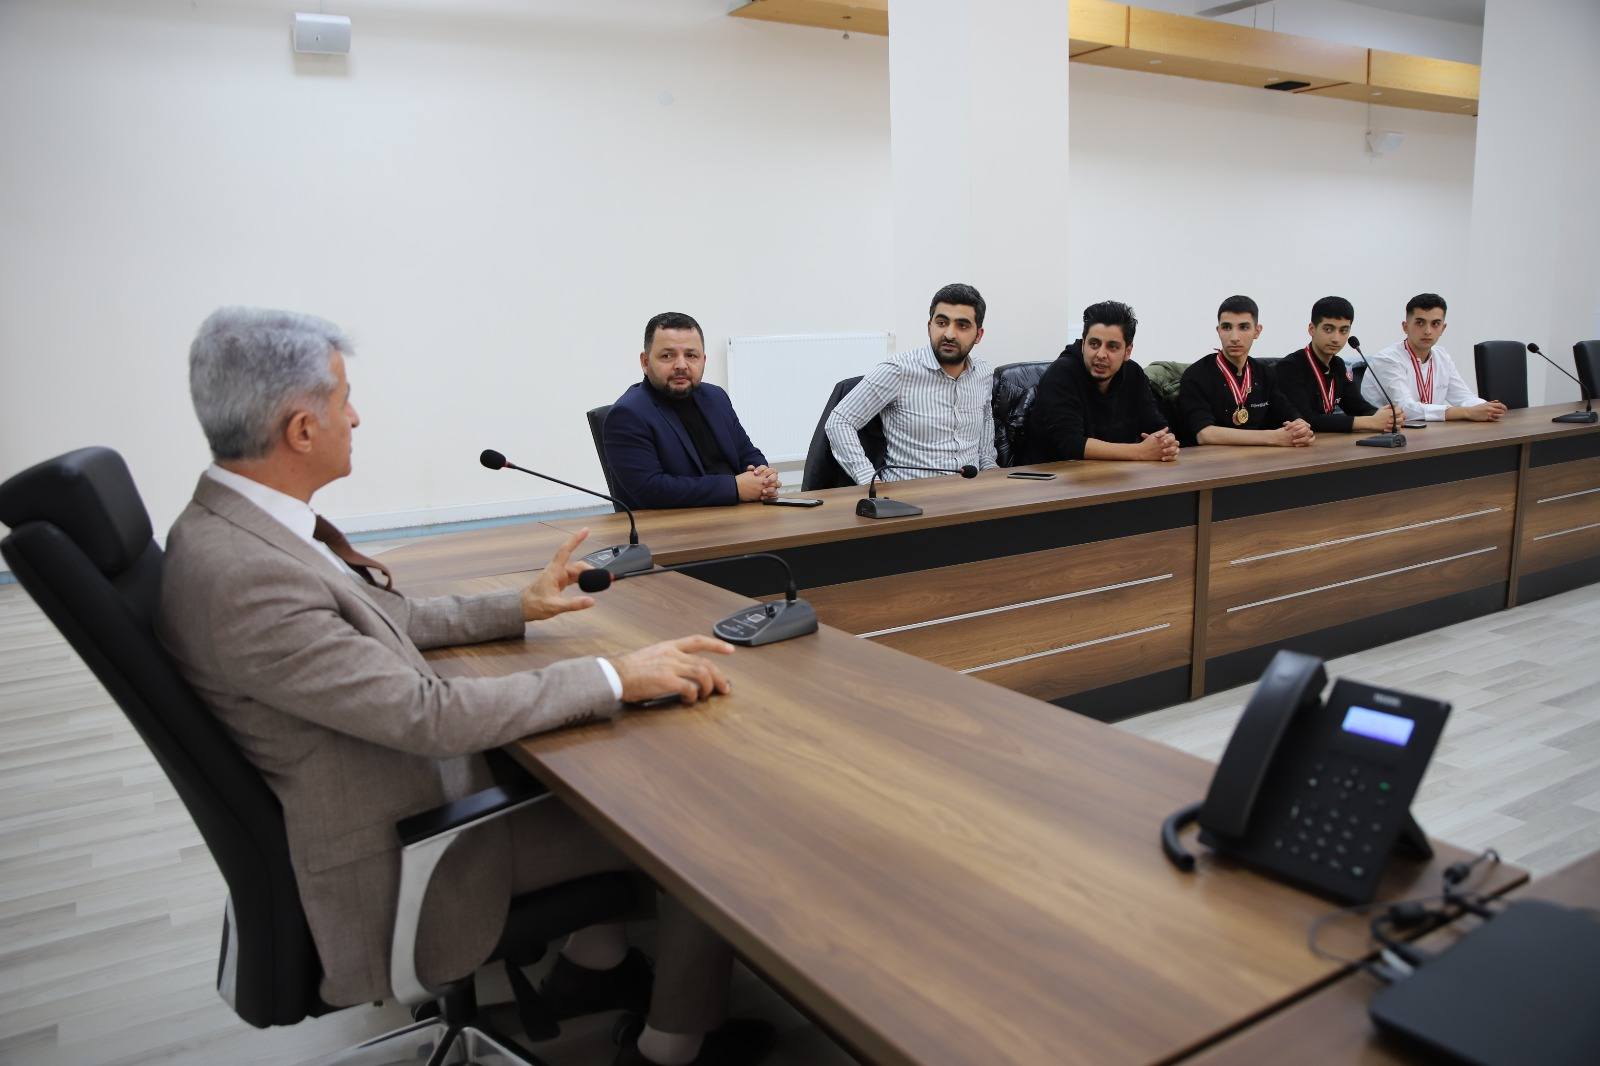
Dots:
pixel 308 655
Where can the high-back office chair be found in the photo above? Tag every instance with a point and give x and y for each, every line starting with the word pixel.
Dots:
pixel 822 471
pixel 1014 387
pixel 1586 360
pixel 1502 371
pixel 597 430
pixel 81 544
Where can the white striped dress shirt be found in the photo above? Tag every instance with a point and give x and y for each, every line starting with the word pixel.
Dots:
pixel 929 417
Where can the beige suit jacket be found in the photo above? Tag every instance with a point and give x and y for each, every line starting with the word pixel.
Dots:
pixel 318 677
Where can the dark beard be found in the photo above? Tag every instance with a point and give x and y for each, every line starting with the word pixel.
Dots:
pixel 668 394
pixel 949 360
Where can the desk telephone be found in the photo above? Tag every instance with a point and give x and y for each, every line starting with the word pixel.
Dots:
pixel 1318 793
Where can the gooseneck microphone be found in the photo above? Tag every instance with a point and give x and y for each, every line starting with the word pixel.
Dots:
pixel 874 506
pixel 1585 416
pixel 629 558
pixel 766 623
pixel 1394 438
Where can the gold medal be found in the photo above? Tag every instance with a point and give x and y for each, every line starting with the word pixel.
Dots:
pixel 1239 390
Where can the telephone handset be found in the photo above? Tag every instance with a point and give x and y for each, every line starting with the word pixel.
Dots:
pixel 1318 793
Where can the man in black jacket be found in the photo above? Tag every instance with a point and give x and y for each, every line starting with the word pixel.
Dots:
pixel 1229 398
pixel 1316 382
pixel 1095 402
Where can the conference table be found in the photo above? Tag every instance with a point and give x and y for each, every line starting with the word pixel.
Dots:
pixel 940 867
pixel 1117 588
pixel 935 868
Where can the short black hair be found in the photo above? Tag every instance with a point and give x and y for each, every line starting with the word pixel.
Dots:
pixel 1332 307
pixel 1239 305
pixel 962 296
pixel 671 320
pixel 1426 301
pixel 1111 313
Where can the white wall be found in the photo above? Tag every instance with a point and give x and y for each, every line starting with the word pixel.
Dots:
pixel 979 149
pixel 1185 192
pixel 492 204
pixel 1535 214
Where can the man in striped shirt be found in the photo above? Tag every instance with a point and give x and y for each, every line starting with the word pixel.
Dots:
pixel 935 400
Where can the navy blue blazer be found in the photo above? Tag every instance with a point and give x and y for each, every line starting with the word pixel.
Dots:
pixel 654 462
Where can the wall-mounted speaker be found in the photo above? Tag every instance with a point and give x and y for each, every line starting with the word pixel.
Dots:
pixel 322 35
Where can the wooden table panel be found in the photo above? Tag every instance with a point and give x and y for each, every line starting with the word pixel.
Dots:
pixel 939 870
pixel 1563 520
pixel 1250 624
pixel 1352 533
pixel 1155 645
pixel 1100 614
pixel 1332 1027
pixel 1306 568
pixel 943 592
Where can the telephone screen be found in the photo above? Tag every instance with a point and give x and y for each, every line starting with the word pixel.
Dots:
pixel 1376 725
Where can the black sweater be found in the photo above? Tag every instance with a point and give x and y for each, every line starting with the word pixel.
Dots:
pixel 1205 400
pixel 1299 386
pixel 1069 408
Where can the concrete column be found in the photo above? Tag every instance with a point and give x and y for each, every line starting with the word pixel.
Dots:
pixel 978 137
pixel 1534 249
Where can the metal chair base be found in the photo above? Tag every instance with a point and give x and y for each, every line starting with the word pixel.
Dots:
pixel 438 1043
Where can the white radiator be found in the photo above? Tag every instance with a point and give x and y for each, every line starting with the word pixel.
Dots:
pixel 779 384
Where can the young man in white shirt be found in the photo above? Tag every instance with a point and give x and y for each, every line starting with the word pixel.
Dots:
pixel 1420 376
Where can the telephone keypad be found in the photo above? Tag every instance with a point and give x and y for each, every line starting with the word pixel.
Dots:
pixel 1335 836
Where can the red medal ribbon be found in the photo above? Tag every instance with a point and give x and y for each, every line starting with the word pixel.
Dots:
pixel 1324 388
pixel 1239 392
pixel 1424 388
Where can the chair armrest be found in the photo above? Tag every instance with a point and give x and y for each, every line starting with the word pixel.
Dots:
pixel 471 810
pixel 424 840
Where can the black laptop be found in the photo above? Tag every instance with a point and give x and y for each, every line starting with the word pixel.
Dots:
pixel 1522 988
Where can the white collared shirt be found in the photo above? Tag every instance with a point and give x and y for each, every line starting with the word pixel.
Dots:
pixel 1394 364
pixel 294 515
pixel 298 518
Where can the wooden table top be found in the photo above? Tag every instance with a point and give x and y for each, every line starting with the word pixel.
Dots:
pixel 434 565
pixel 709 532
pixel 1332 1026
pixel 940 870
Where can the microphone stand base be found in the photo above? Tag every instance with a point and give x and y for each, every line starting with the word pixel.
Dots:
pixel 883 507
pixel 1384 440
pixel 622 559
pixel 1580 417
pixel 768 623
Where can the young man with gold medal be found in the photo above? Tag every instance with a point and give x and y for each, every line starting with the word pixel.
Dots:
pixel 1229 398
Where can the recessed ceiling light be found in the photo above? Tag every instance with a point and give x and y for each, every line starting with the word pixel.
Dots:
pixel 1155 62
pixel 1376 93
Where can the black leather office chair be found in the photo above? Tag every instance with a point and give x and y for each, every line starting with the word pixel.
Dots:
pixel 597 430
pixel 822 471
pixel 1502 371
pixel 1586 359
pixel 1014 387
pixel 81 544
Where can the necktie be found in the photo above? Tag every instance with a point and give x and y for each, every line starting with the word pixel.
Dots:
pixel 339 544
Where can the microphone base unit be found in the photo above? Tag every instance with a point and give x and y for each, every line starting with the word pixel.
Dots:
pixel 767 623
pixel 621 559
pixel 1384 440
pixel 883 507
pixel 1580 417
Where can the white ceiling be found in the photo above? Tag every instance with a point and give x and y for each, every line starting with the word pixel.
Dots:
pixel 1466 12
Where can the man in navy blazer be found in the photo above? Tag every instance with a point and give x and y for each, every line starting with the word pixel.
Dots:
pixel 673 441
